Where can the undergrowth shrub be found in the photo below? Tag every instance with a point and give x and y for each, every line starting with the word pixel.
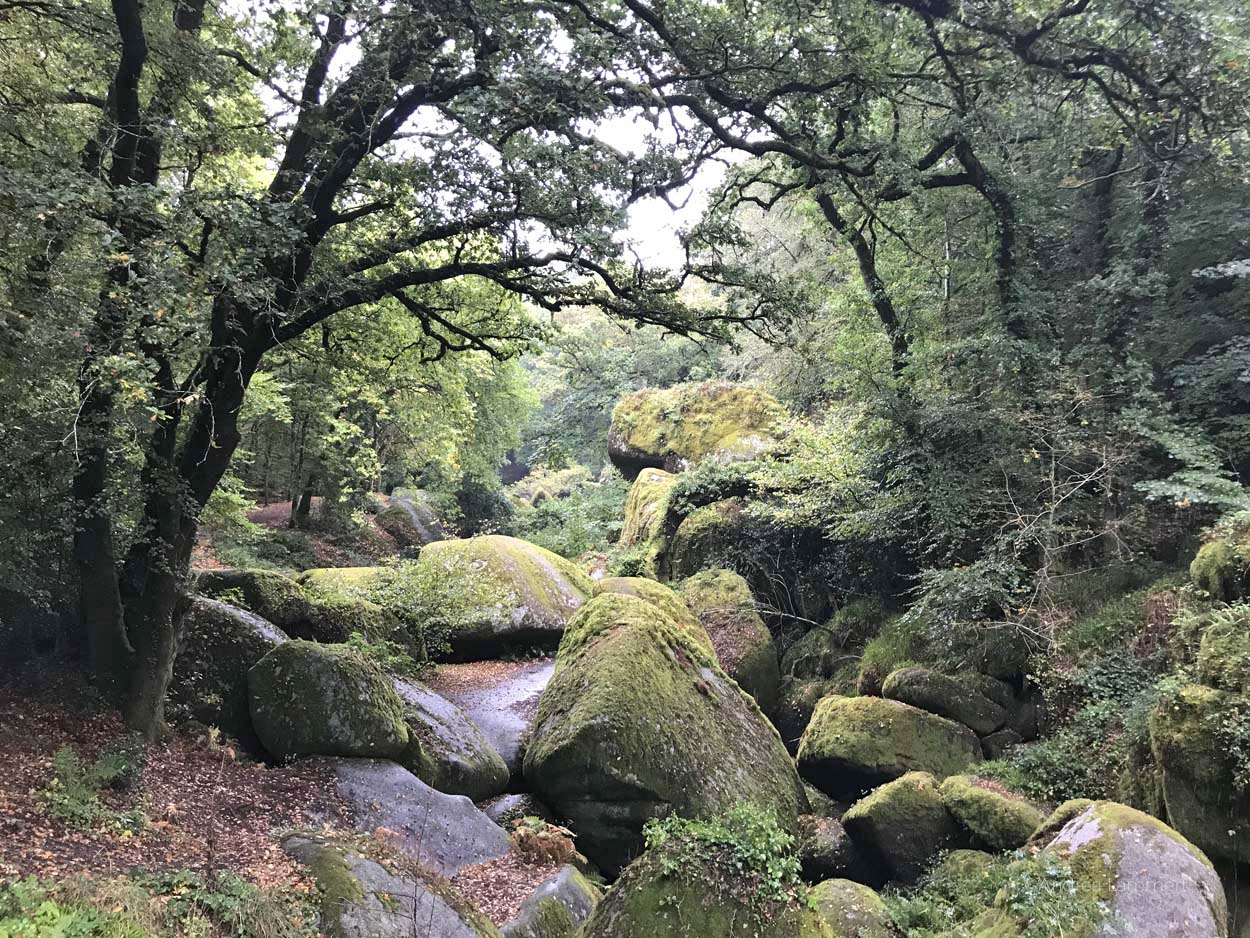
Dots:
pixel 73 793
pixel 588 518
pixel 746 837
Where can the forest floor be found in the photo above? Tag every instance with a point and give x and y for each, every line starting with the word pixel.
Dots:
pixel 190 802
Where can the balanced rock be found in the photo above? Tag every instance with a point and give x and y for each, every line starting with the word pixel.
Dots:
pixel 638 722
pixel 675 428
pixel 854 743
pixel 903 825
pixel 311 699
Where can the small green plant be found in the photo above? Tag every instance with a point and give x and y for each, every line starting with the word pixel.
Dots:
pixel 73 793
pixel 746 837
pixel 390 656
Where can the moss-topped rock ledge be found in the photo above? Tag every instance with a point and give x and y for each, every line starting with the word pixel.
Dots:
pixel 723 603
pixel 638 722
pixel 312 699
pixel 855 743
pixel 996 818
pixel 644 508
pixel 662 895
pixel 674 428
pixel 530 593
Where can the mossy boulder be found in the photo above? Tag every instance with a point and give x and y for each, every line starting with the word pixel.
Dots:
pixel 644 508
pixel 529 593
pixel 663 598
pixel 311 699
pixel 411 521
pixel 854 743
pixel 1152 881
pixel 962 864
pixel 946 696
pixel 1203 801
pixel 366 896
pixel 446 750
pixel 1222 566
pixel 638 722
pixel 1224 655
pixel 708 538
pixel 723 602
pixel 220 644
pixel 797 702
pixel 903 825
pixel 826 851
pixel 677 427
pixel 997 819
pixel 557 907
pixel 662 895
pixel 267 593
pixel 853 910
pixel 830 648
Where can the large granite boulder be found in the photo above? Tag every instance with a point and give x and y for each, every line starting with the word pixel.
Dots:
pixel 663 598
pixel 856 743
pixel 853 910
pixel 675 428
pixel 723 603
pixel 442 832
pixel 528 592
pixel 361 897
pixel 1200 791
pixel 639 722
pixel 946 696
pixel 996 818
pixel 644 508
pixel 220 644
pixel 311 699
pixel 446 749
pixel 903 825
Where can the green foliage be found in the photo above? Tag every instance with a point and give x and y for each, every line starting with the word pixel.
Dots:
pixel 169 905
pixel 1039 892
pixel 589 518
pixel 73 793
pixel 388 655
pixel 746 837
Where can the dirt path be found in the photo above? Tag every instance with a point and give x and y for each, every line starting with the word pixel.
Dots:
pixel 501 697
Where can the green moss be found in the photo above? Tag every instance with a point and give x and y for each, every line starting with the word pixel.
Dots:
pixel 852 910
pixel 681 425
pixel 828 648
pixel 267 593
pixel 855 742
pixel 996 818
pixel 1224 652
pixel 723 602
pixel 1220 568
pixel 639 721
pixel 312 699
pixel 900 642
pixel 338 578
pixel 1061 816
pixel 946 696
pixel 644 514
pixel 708 537
pixel 660 596
pixel 616 608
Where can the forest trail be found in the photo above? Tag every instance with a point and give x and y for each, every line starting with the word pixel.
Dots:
pixel 501 697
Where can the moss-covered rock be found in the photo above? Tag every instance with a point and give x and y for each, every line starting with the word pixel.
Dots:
pixel 446 750
pixel 903 825
pixel 962 864
pixel 1222 566
pixel 220 644
pixel 328 614
pixel 644 508
pixel 267 593
pixel 723 602
pixel 557 908
pixel 1153 882
pixel 674 428
pixel 1203 802
pixel 366 896
pixel 853 910
pixel 411 521
pixel 638 722
pixel 997 744
pixel 531 593
pixel 708 538
pixel 311 699
pixel 946 696
pixel 828 649
pixel 798 698
pixel 826 851
pixel 663 598
pixel 854 743
pixel 997 819
pixel 1224 655
pixel 662 896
